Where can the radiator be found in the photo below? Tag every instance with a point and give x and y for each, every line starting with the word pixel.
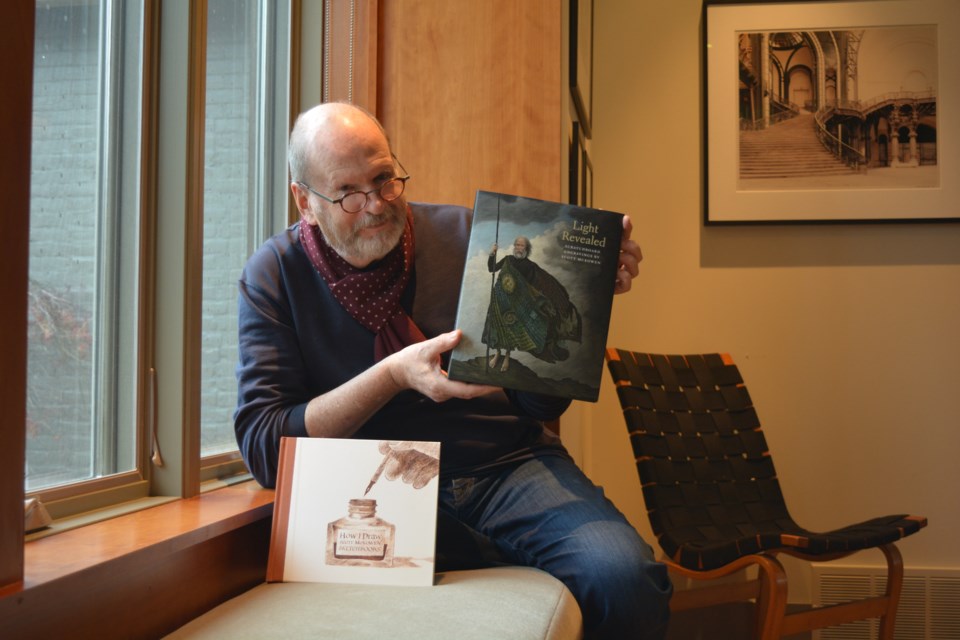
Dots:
pixel 929 603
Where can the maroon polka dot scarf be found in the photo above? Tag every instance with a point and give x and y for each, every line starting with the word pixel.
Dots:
pixel 372 295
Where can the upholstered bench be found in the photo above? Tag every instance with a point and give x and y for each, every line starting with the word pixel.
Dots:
pixel 502 603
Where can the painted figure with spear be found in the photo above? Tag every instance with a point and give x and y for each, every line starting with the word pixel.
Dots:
pixel 530 310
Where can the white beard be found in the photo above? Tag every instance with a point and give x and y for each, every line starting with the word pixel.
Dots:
pixel 354 248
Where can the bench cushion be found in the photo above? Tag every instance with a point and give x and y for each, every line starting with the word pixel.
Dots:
pixel 507 603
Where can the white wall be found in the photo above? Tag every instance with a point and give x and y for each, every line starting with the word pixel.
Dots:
pixel 847 335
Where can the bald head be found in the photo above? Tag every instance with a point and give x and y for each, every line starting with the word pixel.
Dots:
pixel 330 133
pixel 337 149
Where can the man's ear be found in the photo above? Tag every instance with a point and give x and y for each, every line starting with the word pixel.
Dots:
pixel 302 200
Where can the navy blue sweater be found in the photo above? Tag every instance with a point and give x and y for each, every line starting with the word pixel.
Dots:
pixel 297 342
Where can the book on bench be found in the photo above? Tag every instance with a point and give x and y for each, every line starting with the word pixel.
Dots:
pixel 536 296
pixel 343 514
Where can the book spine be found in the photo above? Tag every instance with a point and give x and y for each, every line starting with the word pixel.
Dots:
pixel 281 510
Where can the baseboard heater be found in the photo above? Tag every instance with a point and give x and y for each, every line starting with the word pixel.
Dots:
pixel 929 604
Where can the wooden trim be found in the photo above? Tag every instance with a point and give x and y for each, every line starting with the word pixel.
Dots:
pixel 16 50
pixel 337 63
pixel 351 62
pixel 295 53
pixel 146 305
pixel 143 574
pixel 193 248
pixel 366 54
pixel 296 85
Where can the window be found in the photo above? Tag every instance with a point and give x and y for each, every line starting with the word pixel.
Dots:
pixel 244 184
pixel 84 213
pixel 87 229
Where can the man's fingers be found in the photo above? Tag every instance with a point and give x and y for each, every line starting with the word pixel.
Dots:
pixel 630 257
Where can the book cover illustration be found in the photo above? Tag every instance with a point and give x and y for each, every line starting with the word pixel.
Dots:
pixel 536 296
pixel 344 514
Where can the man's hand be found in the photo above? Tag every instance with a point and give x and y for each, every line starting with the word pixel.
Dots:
pixel 417 367
pixel 339 412
pixel 630 256
pixel 416 463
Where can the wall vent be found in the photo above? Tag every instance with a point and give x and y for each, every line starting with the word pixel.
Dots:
pixel 929 604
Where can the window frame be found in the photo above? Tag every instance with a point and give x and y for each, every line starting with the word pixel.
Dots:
pixel 266 201
pixel 67 499
pixel 167 81
pixel 16 114
pixel 169 301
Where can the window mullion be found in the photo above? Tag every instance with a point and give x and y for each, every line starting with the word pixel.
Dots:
pixel 103 381
pixel 176 215
pixel 193 251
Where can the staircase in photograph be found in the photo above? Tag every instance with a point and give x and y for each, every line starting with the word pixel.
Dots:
pixel 788 149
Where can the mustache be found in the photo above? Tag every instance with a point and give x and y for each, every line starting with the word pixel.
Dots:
pixel 366 220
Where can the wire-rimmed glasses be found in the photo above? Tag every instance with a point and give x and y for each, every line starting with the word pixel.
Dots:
pixel 356 201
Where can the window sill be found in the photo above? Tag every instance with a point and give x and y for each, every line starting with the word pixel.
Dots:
pixel 60 525
pixel 66 523
pixel 150 570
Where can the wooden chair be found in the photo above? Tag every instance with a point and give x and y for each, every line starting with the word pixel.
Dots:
pixel 714 501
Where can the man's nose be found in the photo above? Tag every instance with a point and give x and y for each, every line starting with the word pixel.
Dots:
pixel 376 205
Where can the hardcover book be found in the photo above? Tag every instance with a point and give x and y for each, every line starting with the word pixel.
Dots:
pixel 536 296
pixel 343 513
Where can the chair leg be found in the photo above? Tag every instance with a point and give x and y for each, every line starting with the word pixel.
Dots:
pixel 772 603
pixel 894 587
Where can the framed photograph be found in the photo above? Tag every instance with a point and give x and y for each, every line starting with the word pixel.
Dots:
pixel 581 61
pixel 836 111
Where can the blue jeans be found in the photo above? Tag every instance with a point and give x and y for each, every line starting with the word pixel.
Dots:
pixel 546 513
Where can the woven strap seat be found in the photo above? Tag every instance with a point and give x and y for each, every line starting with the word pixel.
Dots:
pixel 707 476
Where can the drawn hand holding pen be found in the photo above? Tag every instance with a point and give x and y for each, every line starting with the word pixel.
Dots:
pixel 416 463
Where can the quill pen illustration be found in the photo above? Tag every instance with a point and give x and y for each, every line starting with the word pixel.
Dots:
pixel 376 474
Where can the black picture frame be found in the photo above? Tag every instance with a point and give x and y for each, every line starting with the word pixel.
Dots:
pixel 586 176
pixel 581 62
pixel 734 86
pixel 574 147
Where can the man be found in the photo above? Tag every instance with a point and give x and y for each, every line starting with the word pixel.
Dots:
pixel 346 319
pixel 529 309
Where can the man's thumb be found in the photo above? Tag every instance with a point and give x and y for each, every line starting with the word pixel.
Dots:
pixel 449 340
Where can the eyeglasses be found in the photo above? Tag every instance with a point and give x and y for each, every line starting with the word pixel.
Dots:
pixel 356 201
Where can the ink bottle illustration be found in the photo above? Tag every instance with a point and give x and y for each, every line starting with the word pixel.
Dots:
pixel 361 538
